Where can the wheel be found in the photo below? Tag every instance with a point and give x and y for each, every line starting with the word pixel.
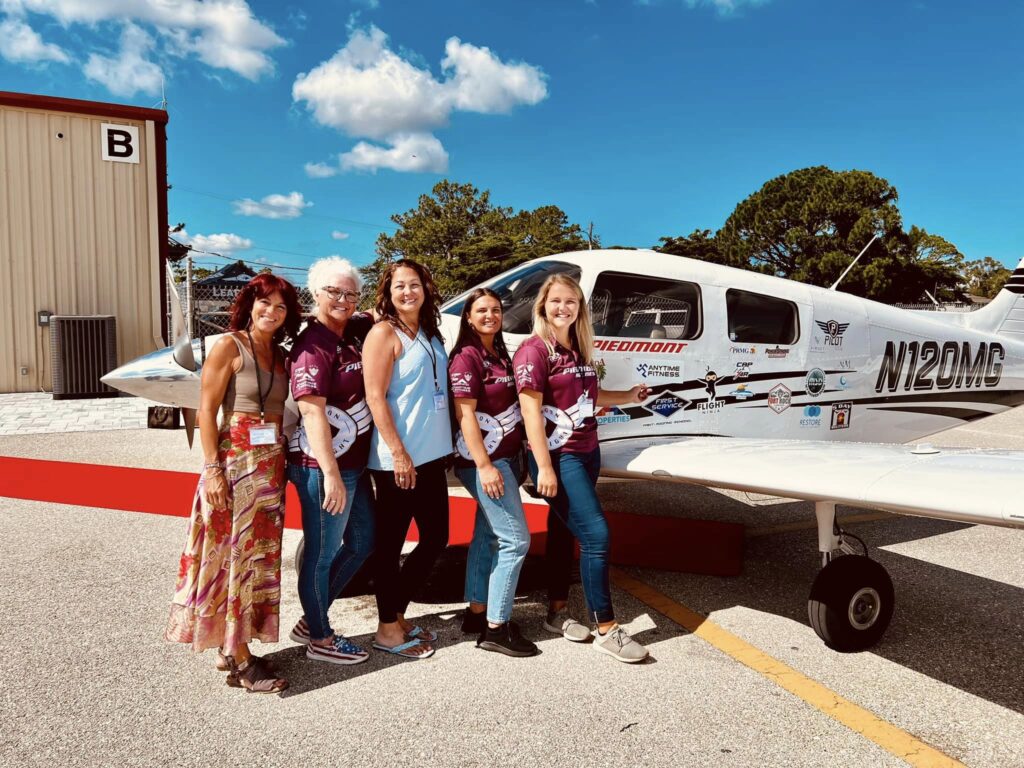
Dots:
pixel 851 603
pixel 299 551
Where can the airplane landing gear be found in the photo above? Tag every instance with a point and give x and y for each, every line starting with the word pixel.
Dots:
pixel 851 603
pixel 852 598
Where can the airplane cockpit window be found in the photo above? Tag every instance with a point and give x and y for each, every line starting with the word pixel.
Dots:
pixel 517 290
pixel 638 306
pixel 758 319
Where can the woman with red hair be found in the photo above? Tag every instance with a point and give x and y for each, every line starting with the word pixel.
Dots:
pixel 228 591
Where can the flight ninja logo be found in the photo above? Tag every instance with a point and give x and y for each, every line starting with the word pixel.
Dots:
pixel 833 331
pixel 921 366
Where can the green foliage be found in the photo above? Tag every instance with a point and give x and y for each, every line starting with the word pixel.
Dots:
pixel 464 239
pixel 985 277
pixel 699 244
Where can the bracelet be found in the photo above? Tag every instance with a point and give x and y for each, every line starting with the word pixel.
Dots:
pixel 214 465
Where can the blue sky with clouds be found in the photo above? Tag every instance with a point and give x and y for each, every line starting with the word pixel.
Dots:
pixel 297 129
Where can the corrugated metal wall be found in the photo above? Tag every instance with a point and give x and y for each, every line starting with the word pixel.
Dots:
pixel 78 235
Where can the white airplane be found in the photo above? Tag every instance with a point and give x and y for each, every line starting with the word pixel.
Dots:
pixel 766 385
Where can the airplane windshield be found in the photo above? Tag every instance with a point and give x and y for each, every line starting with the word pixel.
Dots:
pixel 517 290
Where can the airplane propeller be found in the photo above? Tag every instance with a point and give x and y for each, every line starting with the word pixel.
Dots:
pixel 182 353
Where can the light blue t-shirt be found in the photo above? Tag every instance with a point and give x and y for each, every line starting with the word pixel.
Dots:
pixel 426 432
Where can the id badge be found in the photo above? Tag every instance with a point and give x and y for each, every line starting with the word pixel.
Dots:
pixel 263 434
pixel 586 408
pixel 440 401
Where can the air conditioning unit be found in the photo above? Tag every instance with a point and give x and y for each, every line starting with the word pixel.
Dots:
pixel 82 349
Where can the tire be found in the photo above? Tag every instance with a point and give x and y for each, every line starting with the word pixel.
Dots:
pixel 851 603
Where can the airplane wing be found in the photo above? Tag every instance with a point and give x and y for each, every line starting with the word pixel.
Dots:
pixel 967 485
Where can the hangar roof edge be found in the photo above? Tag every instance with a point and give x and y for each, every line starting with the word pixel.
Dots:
pixel 78 106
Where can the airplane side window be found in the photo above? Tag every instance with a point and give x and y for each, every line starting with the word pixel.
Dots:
pixel 758 319
pixel 639 306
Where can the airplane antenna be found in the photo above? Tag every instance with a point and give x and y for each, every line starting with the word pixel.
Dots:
pixel 934 300
pixel 852 263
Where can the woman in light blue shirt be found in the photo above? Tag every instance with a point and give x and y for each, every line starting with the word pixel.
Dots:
pixel 406 374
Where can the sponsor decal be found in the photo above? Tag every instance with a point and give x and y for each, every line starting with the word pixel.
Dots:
pixel 779 398
pixel 921 366
pixel 613 415
pixel 743 369
pixel 741 392
pixel 833 331
pixel 304 377
pixel 846 365
pixel 743 350
pixel 650 347
pixel 667 404
pixel 524 374
pixel 844 382
pixel 655 372
pixel 462 379
pixel 712 404
pixel 841 413
pixel 815 382
pixel 811 416
pixel 777 353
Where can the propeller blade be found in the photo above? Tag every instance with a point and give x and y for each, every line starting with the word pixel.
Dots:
pixel 182 354
pixel 189 415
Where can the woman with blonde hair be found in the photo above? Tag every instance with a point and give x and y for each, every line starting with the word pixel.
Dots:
pixel 559 392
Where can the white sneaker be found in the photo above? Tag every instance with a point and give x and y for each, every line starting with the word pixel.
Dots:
pixel 620 645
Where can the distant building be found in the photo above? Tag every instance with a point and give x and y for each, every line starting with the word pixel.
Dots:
pixel 83 226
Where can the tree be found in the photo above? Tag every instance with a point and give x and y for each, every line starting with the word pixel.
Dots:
pixel 809 225
pixel 985 277
pixel 463 238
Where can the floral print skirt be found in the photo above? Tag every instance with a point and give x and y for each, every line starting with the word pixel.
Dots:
pixel 229 577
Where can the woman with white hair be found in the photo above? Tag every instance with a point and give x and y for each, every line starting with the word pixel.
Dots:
pixel 327 455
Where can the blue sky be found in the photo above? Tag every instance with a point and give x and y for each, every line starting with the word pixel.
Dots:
pixel 296 130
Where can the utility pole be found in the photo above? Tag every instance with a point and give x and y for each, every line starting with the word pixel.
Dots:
pixel 590 236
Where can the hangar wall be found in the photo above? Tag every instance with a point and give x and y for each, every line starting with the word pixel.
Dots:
pixel 79 234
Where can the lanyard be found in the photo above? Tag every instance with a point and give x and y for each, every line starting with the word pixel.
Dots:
pixel 430 351
pixel 273 367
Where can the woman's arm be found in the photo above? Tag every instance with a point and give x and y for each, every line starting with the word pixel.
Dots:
pixel 637 394
pixel 530 402
pixel 379 353
pixel 318 432
pixel 490 477
pixel 218 368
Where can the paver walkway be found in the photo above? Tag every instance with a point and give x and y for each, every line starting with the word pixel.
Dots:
pixel 29 413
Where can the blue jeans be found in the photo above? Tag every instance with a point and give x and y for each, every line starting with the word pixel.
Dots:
pixel 575 511
pixel 500 542
pixel 335 546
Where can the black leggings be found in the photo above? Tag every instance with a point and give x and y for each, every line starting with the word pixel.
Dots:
pixel 427 503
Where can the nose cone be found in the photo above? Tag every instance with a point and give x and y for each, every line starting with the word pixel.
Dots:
pixel 158 377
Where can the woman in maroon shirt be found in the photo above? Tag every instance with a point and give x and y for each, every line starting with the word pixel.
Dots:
pixel 559 392
pixel 487 463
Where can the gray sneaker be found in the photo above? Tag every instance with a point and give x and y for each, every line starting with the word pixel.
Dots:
pixel 619 644
pixel 563 624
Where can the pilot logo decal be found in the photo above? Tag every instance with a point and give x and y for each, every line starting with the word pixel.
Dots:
pixel 920 366
pixel 833 331
pixel 815 382
pixel 841 413
pixel 666 404
pixel 811 416
pixel 741 392
pixel 779 398
pixel 613 415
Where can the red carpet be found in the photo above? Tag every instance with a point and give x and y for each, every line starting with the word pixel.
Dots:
pixel 667 543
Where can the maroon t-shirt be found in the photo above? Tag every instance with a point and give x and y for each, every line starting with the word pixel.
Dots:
pixel 475 373
pixel 567 383
pixel 326 365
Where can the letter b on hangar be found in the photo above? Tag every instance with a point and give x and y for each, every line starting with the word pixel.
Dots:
pixel 119 143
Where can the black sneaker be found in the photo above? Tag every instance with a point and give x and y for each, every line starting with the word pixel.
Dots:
pixel 474 623
pixel 506 639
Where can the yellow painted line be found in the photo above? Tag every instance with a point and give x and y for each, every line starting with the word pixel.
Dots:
pixel 803 525
pixel 887 736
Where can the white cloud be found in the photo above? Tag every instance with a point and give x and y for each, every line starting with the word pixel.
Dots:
pixel 366 90
pixel 417 152
pixel 725 7
pixel 222 33
pixel 288 206
pixel 336 235
pixel 21 44
pixel 130 71
pixel 321 170
pixel 224 243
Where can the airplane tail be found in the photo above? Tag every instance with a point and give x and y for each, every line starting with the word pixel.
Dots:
pixel 1005 313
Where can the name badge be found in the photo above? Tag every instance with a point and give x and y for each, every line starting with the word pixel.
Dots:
pixel 263 434
pixel 586 408
pixel 440 401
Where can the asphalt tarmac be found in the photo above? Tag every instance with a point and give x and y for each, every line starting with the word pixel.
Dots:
pixel 86 679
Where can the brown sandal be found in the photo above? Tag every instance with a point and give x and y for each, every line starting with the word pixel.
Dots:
pixel 255 676
pixel 223 662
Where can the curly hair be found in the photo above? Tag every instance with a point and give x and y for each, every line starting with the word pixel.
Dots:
pixel 430 312
pixel 260 287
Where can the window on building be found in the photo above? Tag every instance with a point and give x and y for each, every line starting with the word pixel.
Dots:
pixel 758 319
pixel 645 307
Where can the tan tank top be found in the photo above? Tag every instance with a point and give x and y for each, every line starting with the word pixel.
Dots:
pixel 242 394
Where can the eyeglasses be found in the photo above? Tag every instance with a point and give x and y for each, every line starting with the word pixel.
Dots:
pixel 337 294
